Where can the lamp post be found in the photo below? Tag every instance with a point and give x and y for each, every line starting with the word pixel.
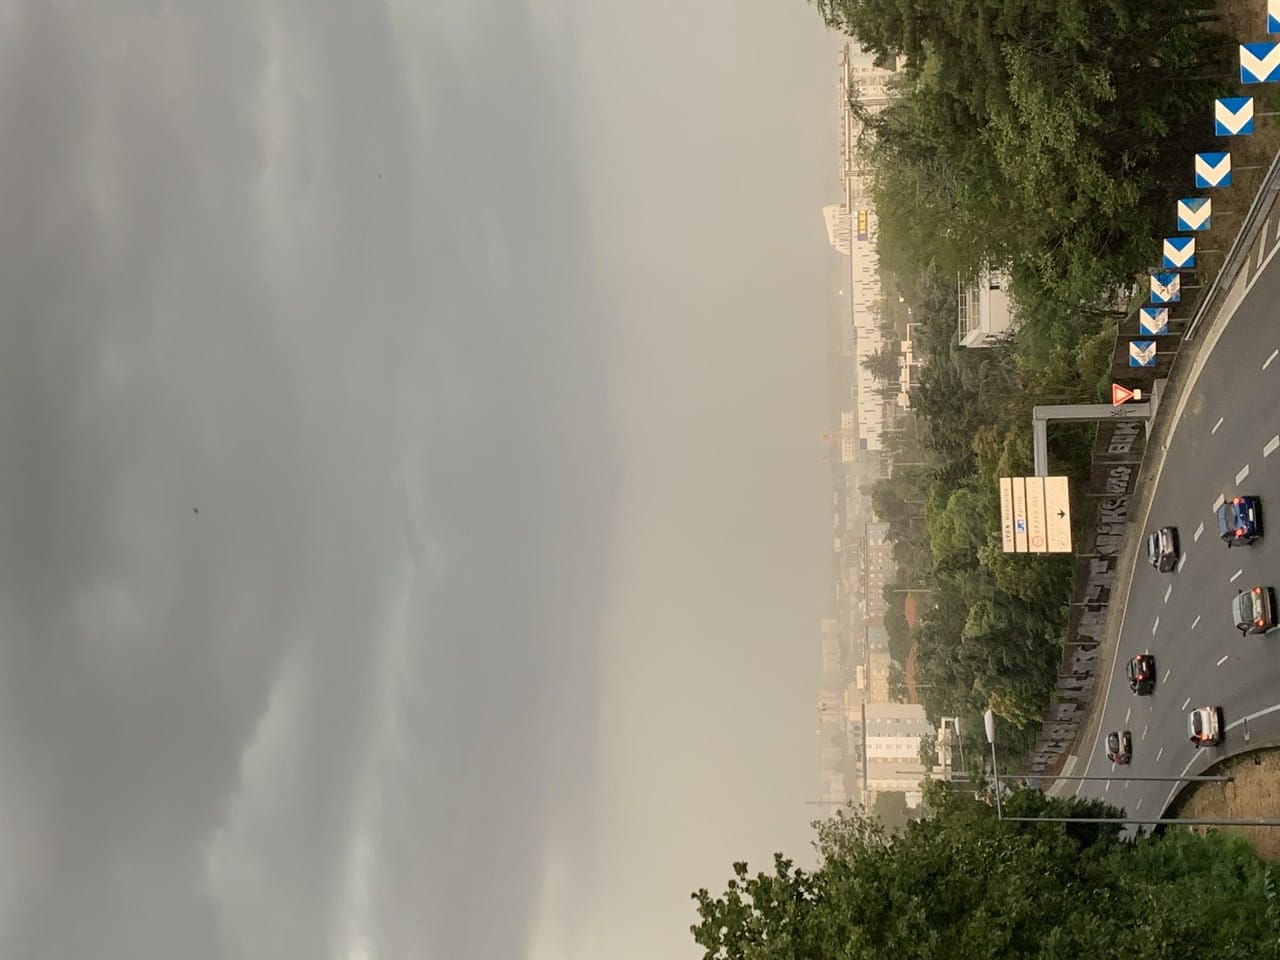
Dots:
pixel 989 723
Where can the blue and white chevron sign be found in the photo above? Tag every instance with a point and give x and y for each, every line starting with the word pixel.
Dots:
pixel 1179 253
pixel 1166 287
pixel 1232 116
pixel 1194 213
pixel 1260 62
pixel 1273 16
pixel 1213 169
pixel 1142 353
pixel 1153 321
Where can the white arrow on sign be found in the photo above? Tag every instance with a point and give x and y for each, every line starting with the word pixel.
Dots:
pixel 1166 287
pixel 1142 353
pixel 1213 169
pixel 1260 62
pixel 1179 252
pixel 1194 213
pixel 1154 321
pixel 1273 16
pixel 1233 116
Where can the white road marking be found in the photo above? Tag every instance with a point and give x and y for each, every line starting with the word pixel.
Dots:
pixel 1108 786
pixel 1168 590
pixel 1155 626
pixel 1159 754
pixel 1185 702
pixel 1235 576
pixel 1266 363
pixel 1144 733
pixel 1199 530
pixel 1182 562
pixel 1166 675
pixel 1217 425
pixel 1244 472
pixel 1126 715
pixel 1272 446
pixel 1222 498
pixel 1223 659
pixel 1137 806
pixel 1196 622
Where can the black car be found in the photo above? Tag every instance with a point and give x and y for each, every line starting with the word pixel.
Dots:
pixel 1119 746
pixel 1141 671
pixel 1162 549
pixel 1240 520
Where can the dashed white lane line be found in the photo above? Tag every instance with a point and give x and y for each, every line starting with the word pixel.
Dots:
pixel 1182 562
pixel 1244 472
pixel 1266 363
pixel 1222 498
pixel 1168 590
pixel 1236 576
pixel 1223 659
pixel 1165 678
pixel 1272 446
pixel 1108 786
pixel 1155 626
pixel 1217 425
pixel 1144 733
pixel 1199 530
pixel 1137 806
pixel 1196 622
pixel 1185 702
pixel 1159 754
pixel 1126 715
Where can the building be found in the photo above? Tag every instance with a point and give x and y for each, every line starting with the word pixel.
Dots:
pixel 891 737
pixel 878 569
pixel 984 310
pixel 879 664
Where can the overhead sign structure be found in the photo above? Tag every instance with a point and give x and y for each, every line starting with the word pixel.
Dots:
pixel 1166 287
pixel 1142 353
pixel 1153 321
pixel 1213 169
pixel 1233 116
pixel 1194 213
pixel 1179 253
pixel 1260 62
pixel 1035 515
pixel 1121 395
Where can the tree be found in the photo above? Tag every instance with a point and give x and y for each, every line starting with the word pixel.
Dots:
pixel 882 364
pixel 929 751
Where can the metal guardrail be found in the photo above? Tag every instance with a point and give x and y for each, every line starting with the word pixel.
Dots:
pixel 1240 247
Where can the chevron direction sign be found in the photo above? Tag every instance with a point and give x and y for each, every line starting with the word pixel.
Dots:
pixel 1260 62
pixel 1153 321
pixel 1194 213
pixel 1273 16
pixel 1232 116
pixel 1142 353
pixel 1166 287
pixel 1180 252
pixel 1213 169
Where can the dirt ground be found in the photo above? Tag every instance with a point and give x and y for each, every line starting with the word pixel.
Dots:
pixel 1255 792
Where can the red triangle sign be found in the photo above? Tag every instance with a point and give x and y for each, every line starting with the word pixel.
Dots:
pixel 1120 394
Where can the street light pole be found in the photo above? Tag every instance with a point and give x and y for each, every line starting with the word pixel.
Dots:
pixel 989 723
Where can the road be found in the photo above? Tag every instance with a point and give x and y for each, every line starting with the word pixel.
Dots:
pixel 1227 441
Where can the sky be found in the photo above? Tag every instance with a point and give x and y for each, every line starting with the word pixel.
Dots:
pixel 412 528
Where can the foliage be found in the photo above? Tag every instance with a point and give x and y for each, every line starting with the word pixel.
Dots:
pixel 959 884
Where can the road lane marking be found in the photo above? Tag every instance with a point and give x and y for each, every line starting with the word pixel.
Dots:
pixel 1244 472
pixel 1267 362
pixel 1144 733
pixel 1185 702
pixel 1126 714
pixel 1182 562
pixel 1235 576
pixel 1137 806
pixel 1166 675
pixel 1272 446
pixel 1168 590
pixel 1159 754
pixel 1155 626
pixel 1196 622
pixel 1199 530
pixel 1224 659
pixel 1217 425
pixel 1108 786
pixel 1222 498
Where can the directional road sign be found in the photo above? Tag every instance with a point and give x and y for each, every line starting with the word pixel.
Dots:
pixel 1213 169
pixel 1166 287
pixel 1273 16
pixel 1142 353
pixel 1035 515
pixel 1233 116
pixel 1260 62
pixel 1153 321
pixel 1194 213
pixel 1179 253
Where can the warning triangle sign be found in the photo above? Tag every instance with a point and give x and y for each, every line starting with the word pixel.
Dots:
pixel 1121 394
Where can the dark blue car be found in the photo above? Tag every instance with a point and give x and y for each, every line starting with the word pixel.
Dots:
pixel 1240 520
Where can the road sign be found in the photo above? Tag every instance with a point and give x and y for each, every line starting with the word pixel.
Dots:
pixel 1035 515
pixel 1179 253
pixel 1153 321
pixel 1057 513
pixel 1233 116
pixel 1142 353
pixel 1166 287
pixel 1213 169
pixel 1273 16
pixel 1121 394
pixel 1194 213
pixel 1260 62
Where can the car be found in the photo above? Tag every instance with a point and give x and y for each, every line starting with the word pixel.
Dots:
pixel 1240 520
pixel 1141 671
pixel 1254 611
pixel 1205 727
pixel 1162 549
pixel 1119 746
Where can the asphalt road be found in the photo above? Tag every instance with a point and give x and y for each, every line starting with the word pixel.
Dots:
pixel 1226 442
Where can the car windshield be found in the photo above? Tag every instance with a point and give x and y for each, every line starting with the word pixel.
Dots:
pixel 1153 546
pixel 1195 722
pixel 1228 518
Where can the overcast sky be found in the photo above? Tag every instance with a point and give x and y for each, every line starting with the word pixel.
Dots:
pixel 412 531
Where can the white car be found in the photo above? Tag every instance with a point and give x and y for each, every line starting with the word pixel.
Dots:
pixel 1205 727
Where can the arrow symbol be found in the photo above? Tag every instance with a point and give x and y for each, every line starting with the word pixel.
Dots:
pixel 1061 514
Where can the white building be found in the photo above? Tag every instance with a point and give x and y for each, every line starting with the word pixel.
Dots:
pixel 891 735
pixel 985 310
